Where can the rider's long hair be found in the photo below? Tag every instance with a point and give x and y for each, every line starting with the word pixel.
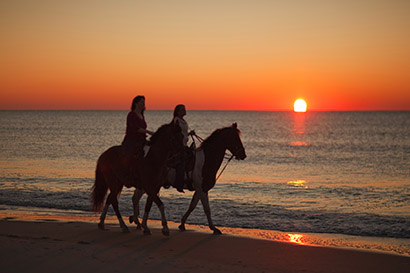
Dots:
pixel 177 108
pixel 135 101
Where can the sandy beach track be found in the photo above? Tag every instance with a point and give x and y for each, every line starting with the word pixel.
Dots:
pixel 53 246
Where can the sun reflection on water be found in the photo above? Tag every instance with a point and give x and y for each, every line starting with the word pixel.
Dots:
pixel 299 143
pixel 298 125
pixel 298 183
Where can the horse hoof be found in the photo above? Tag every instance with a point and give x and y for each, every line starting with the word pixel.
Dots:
pixel 138 227
pixel 131 219
pixel 125 230
pixel 165 232
pixel 147 232
pixel 182 227
pixel 101 227
pixel 217 232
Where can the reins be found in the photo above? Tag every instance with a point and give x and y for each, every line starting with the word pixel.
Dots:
pixel 226 156
pixel 224 167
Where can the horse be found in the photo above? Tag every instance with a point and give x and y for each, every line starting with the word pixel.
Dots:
pixel 208 159
pixel 111 173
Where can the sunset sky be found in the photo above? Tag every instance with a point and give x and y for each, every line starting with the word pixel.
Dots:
pixel 214 54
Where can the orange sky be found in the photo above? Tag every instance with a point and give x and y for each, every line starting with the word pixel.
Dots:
pixel 237 54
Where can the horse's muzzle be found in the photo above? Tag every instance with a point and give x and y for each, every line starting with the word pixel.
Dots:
pixel 241 155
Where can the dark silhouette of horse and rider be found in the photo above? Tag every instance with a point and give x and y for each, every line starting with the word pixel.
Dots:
pixel 162 161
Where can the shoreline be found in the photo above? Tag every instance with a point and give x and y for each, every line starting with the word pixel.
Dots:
pixel 51 245
pixel 391 246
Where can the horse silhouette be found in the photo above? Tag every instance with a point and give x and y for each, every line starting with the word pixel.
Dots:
pixel 208 159
pixel 150 171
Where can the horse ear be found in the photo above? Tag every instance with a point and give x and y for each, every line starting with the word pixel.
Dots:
pixel 234 125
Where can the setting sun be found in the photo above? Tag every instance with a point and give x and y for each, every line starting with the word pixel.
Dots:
pixel 300 106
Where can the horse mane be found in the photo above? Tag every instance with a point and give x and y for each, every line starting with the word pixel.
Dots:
pixel 212 138
pixel 154 138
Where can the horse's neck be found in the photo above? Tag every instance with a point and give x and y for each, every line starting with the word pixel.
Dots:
pixel 214 156
pixel 158 153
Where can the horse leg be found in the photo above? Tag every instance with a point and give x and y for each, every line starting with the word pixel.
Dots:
pixel 192 206
pixel 114 202
pixel 165 229
pixel 148 206
pixel 103 214
pixel 207 210
pixel 138 193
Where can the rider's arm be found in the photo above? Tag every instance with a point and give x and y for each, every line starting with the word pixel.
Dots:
pixel 144 131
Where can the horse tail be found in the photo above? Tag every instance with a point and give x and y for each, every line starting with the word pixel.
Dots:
pixel 99 190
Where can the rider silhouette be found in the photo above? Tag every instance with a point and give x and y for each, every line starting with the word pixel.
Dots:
pixel 179 113
pixel 135 136
pixel 136 131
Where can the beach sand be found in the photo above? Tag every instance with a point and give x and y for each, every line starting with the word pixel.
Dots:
pixel 44 244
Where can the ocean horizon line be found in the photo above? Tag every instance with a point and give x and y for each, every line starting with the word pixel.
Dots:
pixel 200 110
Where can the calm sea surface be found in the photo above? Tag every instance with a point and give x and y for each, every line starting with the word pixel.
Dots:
pixel 321 172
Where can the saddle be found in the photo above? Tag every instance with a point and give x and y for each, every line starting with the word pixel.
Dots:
pixel 188 155
pixel 187 158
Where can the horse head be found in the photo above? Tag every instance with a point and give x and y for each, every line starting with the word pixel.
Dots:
pixel 227 138
pixel 234 143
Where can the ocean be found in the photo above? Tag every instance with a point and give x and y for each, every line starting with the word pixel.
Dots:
pixel 338 173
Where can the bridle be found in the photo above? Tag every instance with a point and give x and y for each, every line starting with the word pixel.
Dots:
pixel 228 156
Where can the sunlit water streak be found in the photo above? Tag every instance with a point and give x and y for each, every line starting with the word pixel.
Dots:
pixel 327 172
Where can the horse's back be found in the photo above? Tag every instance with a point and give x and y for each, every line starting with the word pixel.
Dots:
pixel 111 157
pixel 114 151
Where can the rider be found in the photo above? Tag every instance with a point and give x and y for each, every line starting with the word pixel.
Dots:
pixel 135 138
pixel 136 131
pixel 179 113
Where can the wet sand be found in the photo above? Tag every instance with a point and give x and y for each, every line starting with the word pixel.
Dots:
pixel 43 244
